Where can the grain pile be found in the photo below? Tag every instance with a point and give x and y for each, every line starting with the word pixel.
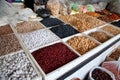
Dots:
pixel 8 44
pixel 29 26
pixel 5 30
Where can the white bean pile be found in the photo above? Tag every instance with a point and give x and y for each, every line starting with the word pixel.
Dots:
pixel 16 66
pixel 38 38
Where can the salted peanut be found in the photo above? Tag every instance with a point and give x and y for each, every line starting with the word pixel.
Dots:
pixel 81 44
pixel 111 30
pixel 29 26
pixel 116 54
pixel 100 36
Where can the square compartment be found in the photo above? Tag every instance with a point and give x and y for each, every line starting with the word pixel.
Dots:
pixel 49 22
pixel 64 30
pixel 8 44
pixel 29 26
pixel 111 29
pixel 81 43
pixel 53 56
pixel 16 66
pixel 38 38
pixel 115 54
pixel 82 22
pixel 100 36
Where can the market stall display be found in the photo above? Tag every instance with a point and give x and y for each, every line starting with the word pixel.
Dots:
pixel 56 45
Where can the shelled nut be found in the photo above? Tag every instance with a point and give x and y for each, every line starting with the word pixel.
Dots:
pixel 82 22
pixel 116 54
pixel 111 30
pixel 100 36
pixel 82 44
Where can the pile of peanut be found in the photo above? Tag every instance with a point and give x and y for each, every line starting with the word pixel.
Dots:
pixel 81 22
pixel 100 36
pixel 111 30
pixel 81 44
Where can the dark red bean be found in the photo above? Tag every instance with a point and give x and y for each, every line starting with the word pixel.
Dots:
pixel 53 57
pixel 98 74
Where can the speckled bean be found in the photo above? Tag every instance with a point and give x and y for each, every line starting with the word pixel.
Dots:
pixel 38 38
pixel 16 66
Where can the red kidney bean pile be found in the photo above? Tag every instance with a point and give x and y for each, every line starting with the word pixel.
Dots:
pixel 53 57
pixel 98 74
